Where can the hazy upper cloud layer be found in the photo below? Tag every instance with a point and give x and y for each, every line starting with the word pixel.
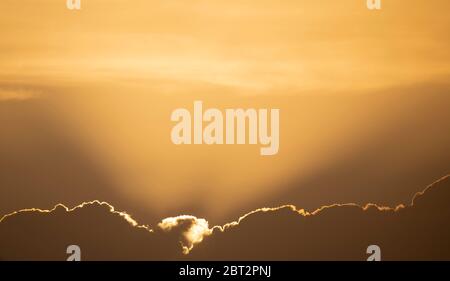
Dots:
pixel 253 45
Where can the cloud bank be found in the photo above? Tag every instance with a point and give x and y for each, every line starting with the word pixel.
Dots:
pixel 416 231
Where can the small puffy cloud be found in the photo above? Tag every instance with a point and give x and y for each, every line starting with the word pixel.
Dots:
pixel 196 229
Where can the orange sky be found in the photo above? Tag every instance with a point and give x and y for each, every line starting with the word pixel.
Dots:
pixel 271 45
pixel 115 70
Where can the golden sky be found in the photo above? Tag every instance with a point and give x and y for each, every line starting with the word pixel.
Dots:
pixel 256 45
pixel 115 70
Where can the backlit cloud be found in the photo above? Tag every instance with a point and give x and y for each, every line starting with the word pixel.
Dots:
pixel 338 231
pixel 197 229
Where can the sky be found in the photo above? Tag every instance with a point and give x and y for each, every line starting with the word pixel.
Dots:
pixel 86 98
pixel 269 46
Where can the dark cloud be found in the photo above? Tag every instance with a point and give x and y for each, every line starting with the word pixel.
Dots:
pixel 418 231
pixel 342 232
pixel 101 233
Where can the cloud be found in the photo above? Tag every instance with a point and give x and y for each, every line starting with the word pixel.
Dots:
pixel 418 231
pixel 197 229
pixel 124 215
pixel 17 94
pixel 304 213
pixel 336 232
pixel 101 232
pixel 264 52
